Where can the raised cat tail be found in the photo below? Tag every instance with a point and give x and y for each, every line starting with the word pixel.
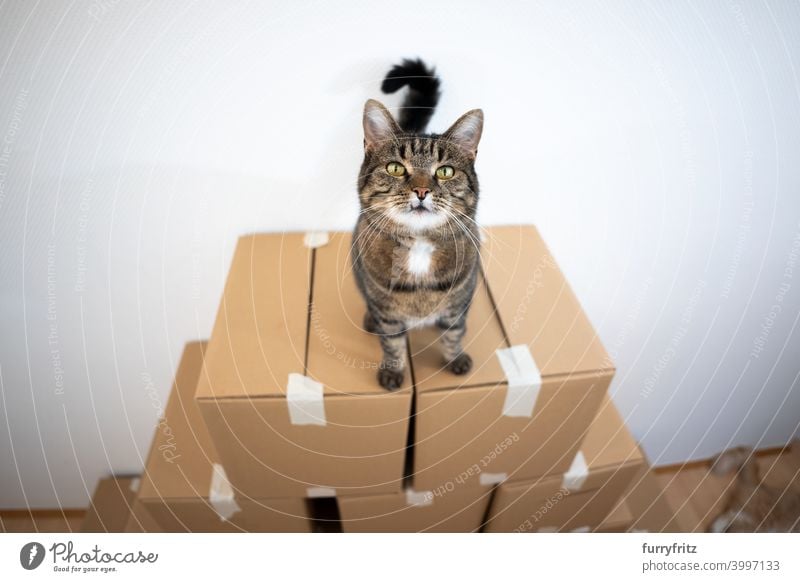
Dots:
pixel 423 93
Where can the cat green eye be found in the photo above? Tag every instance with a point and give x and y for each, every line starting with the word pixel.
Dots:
pixel 395 169
pixel 445 172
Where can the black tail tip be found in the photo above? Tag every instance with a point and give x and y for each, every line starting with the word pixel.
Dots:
pixel 423 93
pixel 414 73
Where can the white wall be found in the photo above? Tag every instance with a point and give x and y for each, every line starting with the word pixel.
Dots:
pixel 656 147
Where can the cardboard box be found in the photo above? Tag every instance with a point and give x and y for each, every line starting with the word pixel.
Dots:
pixel 618 521
pixel 290 320
pixel 184 487
pixel 462 509
pixel 651 509
pixel 471 427
pixel 140 521
pixel 581 498
pixel 111 505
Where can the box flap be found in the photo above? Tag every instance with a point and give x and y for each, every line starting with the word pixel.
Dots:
pixel 259 337
pixel 483 338
pixel 182 454
pixel 536 305
pixel 341 355
pixel 260 334
pixel 525 297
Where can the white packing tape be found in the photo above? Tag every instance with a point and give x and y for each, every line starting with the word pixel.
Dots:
pixel 305 399
pixel 220 494
pixel 524 380
pixel 315 239
pixel 492 478
pixel 317 492
pixel 577 473
pixel 582 529
pixel 419 498
pixel 134 484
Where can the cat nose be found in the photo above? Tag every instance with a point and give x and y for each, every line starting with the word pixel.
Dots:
pixel 421 192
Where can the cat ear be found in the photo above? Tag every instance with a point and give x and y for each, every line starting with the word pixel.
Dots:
pixel 466 132
pixel 379 125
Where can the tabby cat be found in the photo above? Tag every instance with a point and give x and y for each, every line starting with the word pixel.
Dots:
pixel 416 244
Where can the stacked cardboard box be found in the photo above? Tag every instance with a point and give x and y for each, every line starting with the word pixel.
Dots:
pixel 578 500
pixel 140 521
pixel 111 505
pixel 459 509
pixel 184 488
pixel 287 408
pixel 618 521
pixel 288 390
pixel 539 374
pixel 650 510
pixel 289 395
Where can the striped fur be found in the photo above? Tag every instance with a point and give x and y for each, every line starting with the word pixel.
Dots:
pixel 415 255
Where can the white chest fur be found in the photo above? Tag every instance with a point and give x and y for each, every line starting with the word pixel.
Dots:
pixel 419 257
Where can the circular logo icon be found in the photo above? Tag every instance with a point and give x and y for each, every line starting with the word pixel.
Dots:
pixel 31 555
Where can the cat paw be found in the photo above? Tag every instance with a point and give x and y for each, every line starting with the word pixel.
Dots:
pixel 460 365
pixel 390 379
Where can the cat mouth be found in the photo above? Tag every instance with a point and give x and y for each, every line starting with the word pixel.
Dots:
pixel 420 208
pixel 418 218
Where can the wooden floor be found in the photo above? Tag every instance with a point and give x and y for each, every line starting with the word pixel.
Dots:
pixel 691 487
pixel 702 494
pixel 49 521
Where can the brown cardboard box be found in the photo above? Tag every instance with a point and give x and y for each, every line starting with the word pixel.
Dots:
pixel 288 309
pixel 266 332
pixel 462 432
pixel 140 521
pixel 462 509
pixel 618 521
pixel 651 510
pixel 183 486
pixel 111 505
pixel 578 499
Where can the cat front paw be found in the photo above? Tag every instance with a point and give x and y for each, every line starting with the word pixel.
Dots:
pixel 391 379
pixel 460 365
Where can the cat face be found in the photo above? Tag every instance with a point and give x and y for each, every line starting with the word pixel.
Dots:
pixel 419 183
